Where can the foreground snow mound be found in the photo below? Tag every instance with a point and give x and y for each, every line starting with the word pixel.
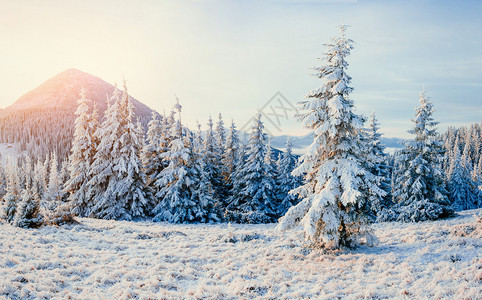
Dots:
pixel 122 260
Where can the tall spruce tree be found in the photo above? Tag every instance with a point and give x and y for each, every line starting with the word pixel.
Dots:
pixel 182 199
pixel 12 196
pixel 84 146
pixel 28 213
pixel 477 182
pixel 212 161
pixel 256 200
pixel 3 181
pixel 419 191
pixel 118 181
pixel 461 192
pixel 336 181
pixel 151 153
pixel 230 156
pixel 287 162
pixel 377 163
pixel 238 184
pixel 54 192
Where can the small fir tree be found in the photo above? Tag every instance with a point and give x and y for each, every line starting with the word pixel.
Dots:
pixel 419 191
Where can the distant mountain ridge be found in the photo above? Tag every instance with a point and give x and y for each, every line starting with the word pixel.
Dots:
pixel 301 142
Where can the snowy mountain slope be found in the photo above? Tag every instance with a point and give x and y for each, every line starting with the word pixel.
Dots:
pixel 42 120
pixel 109 259
pixel 62 91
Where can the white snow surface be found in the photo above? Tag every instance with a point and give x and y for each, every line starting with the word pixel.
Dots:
pixel 122 260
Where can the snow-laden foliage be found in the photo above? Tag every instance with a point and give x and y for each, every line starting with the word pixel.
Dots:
pixel 39 181
pixel 182 196
pixel 419 191
pixel 84 147
pixel 28 210
pixel 224 185
pixel 54 192
pixel 12 196
pixel 255 201
pixel 462 191
pixel 118 181
pixel 220 135
pixel 230 156
pixel 151 152
pixel 230 160
pixel 336 183
pixel 238 184
pixel 468 143
pixel 377 162
pixel 3 181
pixel 211 153
pixel 286 182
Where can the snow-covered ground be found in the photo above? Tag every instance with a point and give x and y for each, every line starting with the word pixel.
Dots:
pixel 120 260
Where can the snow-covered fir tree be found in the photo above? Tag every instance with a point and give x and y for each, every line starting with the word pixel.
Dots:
pixel 286 163
pixel 182 199
pixel 12 196
pixel 238 184
pixel 377 163
pixel 460 189
pixel 336 181
pixel 269 183
pixel 419 192
pixel 151 153
pixel 212 161
pixel 64 177
pixel 28 210
pixel 39 178
pixel 230 158
pixel 477 182
pixel 255 202
pixel 3 180
pixel 118 181
pixel 54 192
pixel 220 135
pixel 84 147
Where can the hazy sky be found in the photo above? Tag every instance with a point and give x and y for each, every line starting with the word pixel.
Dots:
pixel 233 56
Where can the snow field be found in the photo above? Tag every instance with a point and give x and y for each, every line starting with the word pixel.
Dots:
pixel 123 260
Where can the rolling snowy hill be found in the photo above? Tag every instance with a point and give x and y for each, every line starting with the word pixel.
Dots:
pixel 145 260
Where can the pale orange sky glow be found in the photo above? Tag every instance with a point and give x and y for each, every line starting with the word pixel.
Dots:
pixel 232 57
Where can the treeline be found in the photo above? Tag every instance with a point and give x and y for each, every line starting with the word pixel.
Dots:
pixel 39 131
pixel 117 171
pixel 42 132
pixel 171 173
pixel 450 163
pixel 462 165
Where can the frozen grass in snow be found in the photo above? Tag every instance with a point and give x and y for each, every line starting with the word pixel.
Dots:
pixel 124 260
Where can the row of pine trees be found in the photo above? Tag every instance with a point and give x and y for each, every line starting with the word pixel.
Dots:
pixel 115 171
pixel 175 175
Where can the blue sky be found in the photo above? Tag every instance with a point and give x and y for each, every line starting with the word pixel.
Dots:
pixel 233 56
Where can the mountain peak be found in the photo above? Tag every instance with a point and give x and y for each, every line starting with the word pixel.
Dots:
pixel 62 91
